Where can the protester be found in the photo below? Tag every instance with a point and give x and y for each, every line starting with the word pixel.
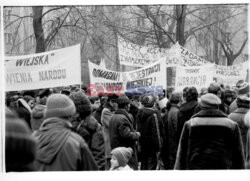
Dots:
pixel 171 129
pixel 228 97
pixel 98 112
pixel 243 89
pixel 59 148
pixel 210 140
pixel 247 123
pixel 187 109
pixel 122 133
pixel 88 127
pixel 107 113
pixel 243 105
pixel 119 159
pixel 20 146
pixel 95 102
pixel 148 117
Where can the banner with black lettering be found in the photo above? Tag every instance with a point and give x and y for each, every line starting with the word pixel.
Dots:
pixel 150 77
pixel 55 68
pixel 180 56
pixel 138 56
pixel 230 75
pixel 199 77
pixel 104 80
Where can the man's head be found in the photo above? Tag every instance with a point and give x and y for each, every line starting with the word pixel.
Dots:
pixel 59 105
pixel 210 101
pixel 148 101
pixel 82 104
pixel 123 102
pixel 191 94
pixel 175 98
pixel 214 88
pixel 243 101
pixel 95 102
pixel 112 100
pixel 243 89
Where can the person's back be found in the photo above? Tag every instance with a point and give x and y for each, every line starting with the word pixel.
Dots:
pixel 60 149
pixel 243 104
pixel 210 140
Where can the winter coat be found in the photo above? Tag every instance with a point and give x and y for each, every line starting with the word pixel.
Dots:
pixel 126 168
pixel 247 123
pixel 233 106
pixel 210 140
pixel 60 149
pixel 171 134
pixel 238 117
pixel 105 119
pixel 98 114
pixel 186 112
pixel 37 116
pixel 122 134
pixel 147 127
pixel 91 132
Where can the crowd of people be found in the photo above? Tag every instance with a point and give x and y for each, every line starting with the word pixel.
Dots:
pixel 69 130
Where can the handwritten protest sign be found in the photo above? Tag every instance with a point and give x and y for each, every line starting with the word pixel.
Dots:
pixel 43 70
pixel 104 80
pixel 131 54
pixel 230 75
pixel 198 77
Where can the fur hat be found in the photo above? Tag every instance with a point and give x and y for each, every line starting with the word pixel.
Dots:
pixel 122 154
pixel 210 100
pixel 20 146
pixel 82 103
pixel 148 101
pixel 243 101
pixel 59 105
pixel 214 88
pixel 244 89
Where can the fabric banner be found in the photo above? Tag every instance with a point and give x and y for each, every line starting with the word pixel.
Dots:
pixel 55 68
pixel 104 80
pixel 230 75
pixel 131 54
pixel 198 77
pixel 180 56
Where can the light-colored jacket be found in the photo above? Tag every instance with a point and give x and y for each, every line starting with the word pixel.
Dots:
pixel 105 119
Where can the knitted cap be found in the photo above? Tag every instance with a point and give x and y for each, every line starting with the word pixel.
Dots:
pixel 82 103
pixel 122 154
pixel 210 100
pixel 59 105
pixel 148 101
pixel 20 146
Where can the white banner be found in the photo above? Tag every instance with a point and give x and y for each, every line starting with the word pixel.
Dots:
pixel 104 80
pixel 180 56
pixel 230 75
pixel 55 68
pixel 198 77
pixel 138 56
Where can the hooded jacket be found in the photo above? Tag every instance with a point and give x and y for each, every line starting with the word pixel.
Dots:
pixel 122 134
pixel 91 132
pixel 147 127
pixel 60 149
pixel 210 140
